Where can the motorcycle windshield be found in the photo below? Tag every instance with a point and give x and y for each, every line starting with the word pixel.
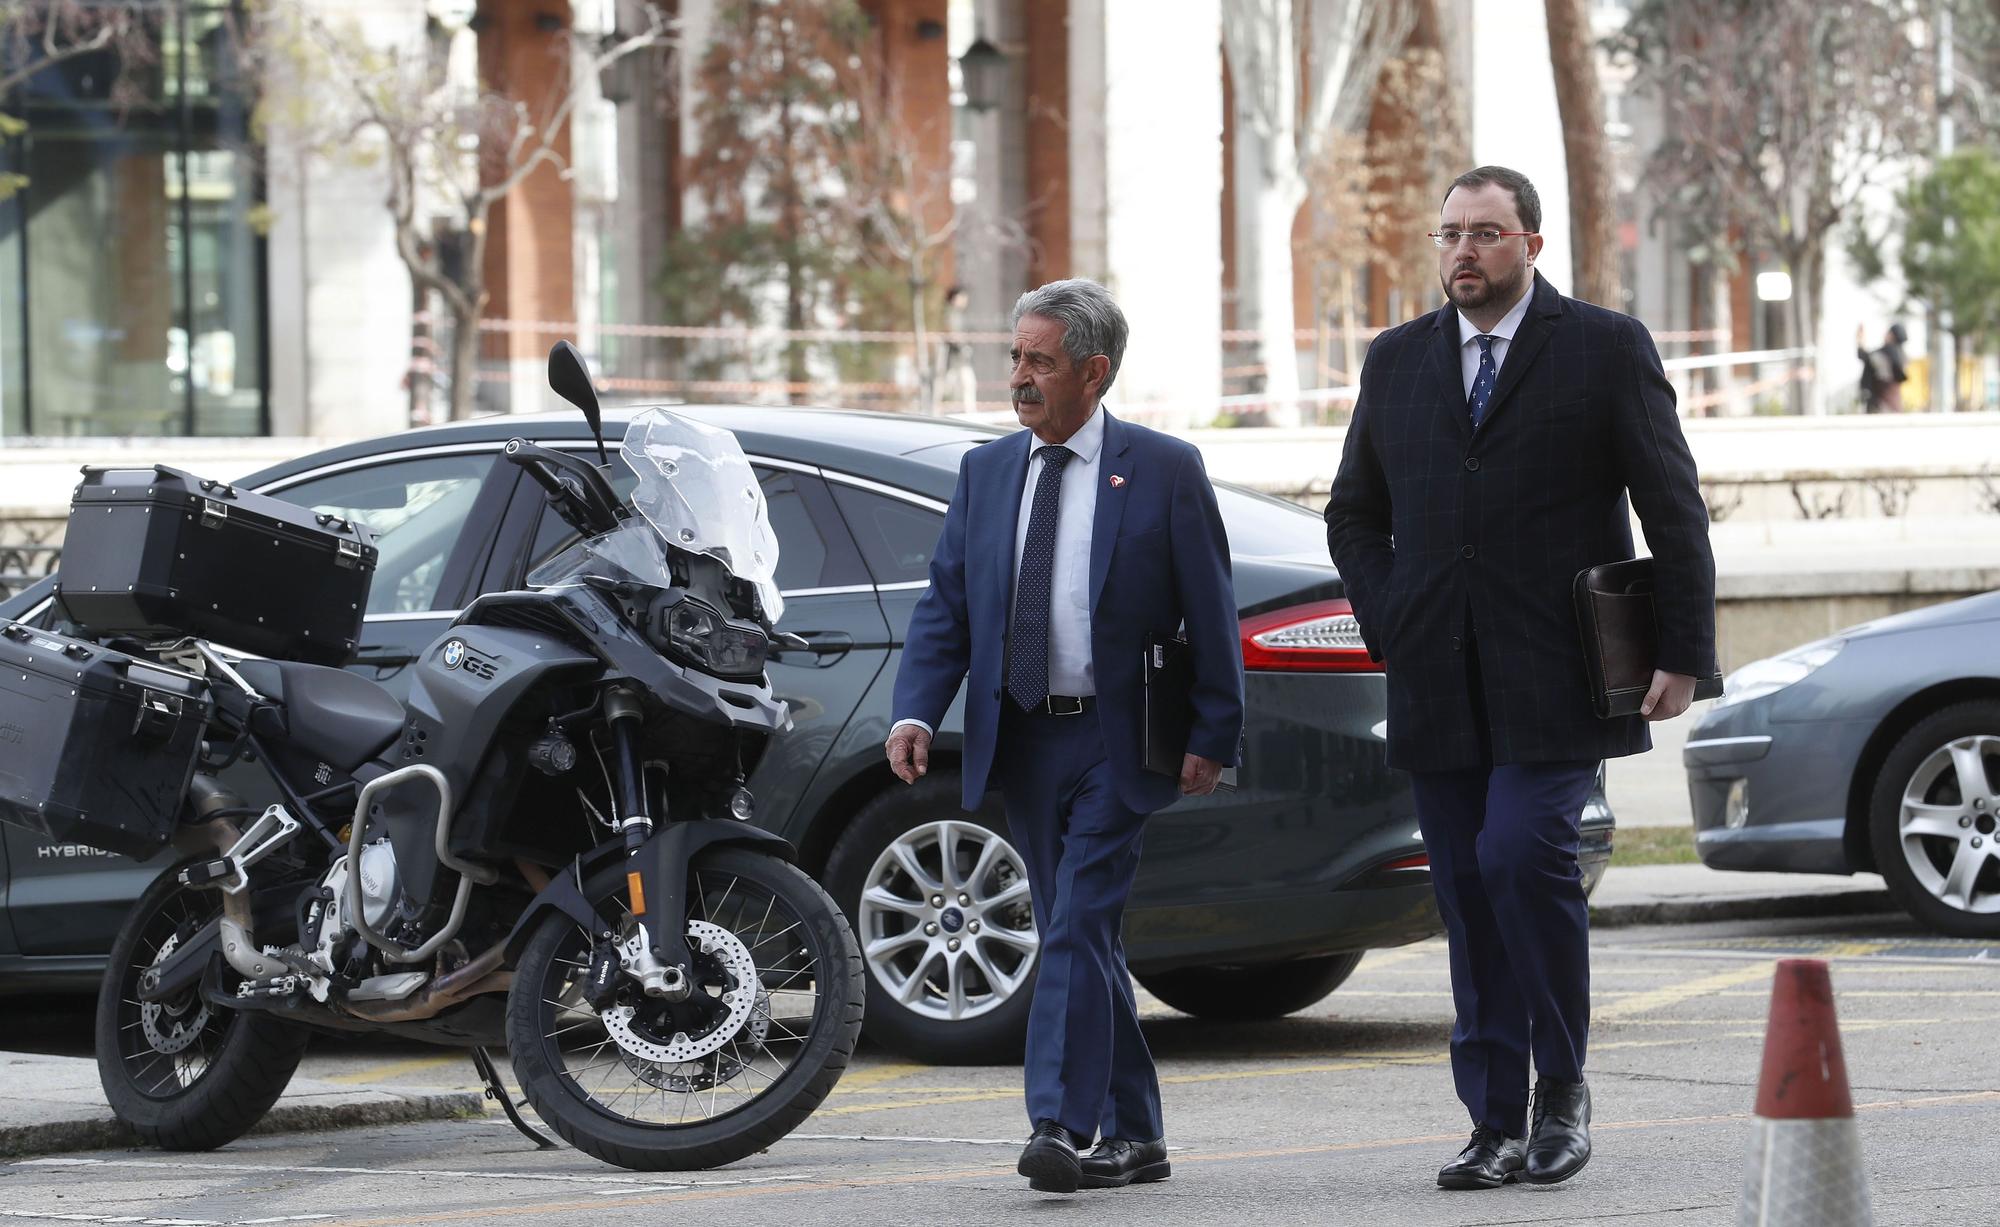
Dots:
pixel 631 553
pixel 697 489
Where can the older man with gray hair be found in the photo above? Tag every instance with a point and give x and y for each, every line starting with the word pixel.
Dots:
pixel 1067 548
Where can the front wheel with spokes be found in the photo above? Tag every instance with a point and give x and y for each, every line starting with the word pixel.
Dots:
pixel 654 1084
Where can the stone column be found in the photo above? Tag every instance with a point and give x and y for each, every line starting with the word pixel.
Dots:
pixel 1145 189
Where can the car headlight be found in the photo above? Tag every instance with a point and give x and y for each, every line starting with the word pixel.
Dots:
pixel 712 642
pixel 1759 678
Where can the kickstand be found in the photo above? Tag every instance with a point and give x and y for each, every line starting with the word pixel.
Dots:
pixel 496 1089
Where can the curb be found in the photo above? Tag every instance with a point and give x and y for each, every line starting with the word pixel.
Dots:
pixel 1752 907
pixel 55 1137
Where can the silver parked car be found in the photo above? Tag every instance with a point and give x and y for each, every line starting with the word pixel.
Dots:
pixel 1874 749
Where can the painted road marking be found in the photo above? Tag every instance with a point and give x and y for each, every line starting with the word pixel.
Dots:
pixel 988 1172
pixel 397 1069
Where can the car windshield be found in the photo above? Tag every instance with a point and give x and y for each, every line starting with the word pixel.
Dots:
pixel 696 492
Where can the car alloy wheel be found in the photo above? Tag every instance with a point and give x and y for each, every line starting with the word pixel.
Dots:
pixel 1949 822
pixel 945 922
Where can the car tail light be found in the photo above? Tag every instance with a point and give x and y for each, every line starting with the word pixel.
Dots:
pixel 1420 861
pixel 1321 637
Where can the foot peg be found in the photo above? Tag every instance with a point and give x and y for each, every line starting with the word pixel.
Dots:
pixel 273 828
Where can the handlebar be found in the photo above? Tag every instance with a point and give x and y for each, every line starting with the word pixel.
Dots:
pixel 586 501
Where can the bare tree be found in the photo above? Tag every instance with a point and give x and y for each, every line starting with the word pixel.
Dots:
pixel 1593 200
pixel 1778 115
pixel 897 195
pixel 37 35
pixel 1365 188
pixel 1340 47
pixel 451 150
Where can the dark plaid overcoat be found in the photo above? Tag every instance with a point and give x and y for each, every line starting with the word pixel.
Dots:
pixel 1452 540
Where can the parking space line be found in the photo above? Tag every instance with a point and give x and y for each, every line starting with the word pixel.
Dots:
pixel 915 1179
pixel 875 1076
pixel 306 1169
pixel 1674 994
pixel 396 1069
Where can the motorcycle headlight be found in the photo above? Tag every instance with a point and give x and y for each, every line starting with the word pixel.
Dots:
pixel 714 643
pixel 1759 678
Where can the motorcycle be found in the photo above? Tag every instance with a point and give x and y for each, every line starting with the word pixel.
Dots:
pixel 549 846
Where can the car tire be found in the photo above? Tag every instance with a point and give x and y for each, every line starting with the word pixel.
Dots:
pixel 1239 994
pixel 1948 874
pixel 898 834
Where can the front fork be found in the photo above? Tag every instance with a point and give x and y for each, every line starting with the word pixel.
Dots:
pixel 657 953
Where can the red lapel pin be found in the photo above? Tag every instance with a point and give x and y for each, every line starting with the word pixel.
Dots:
pixel 1116 481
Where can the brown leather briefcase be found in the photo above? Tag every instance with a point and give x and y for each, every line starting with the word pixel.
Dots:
pixel 1621 637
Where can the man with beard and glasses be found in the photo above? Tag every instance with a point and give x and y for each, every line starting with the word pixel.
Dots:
pixel 1065 547
pixel 1491 454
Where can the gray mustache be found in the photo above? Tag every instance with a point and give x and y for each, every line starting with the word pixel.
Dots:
pixel 1027 398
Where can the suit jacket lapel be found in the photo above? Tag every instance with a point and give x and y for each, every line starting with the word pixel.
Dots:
pixel 1534 332
pixel 1442 359
pixel 1111 498
pixel 1010 478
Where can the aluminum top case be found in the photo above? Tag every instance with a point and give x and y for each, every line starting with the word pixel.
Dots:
pixel 157 553
pixel 95 746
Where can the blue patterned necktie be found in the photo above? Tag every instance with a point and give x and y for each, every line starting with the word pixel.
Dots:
pixel 1028 643
pixel 1482 383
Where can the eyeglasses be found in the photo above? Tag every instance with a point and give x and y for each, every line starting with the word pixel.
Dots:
pixel 1480 238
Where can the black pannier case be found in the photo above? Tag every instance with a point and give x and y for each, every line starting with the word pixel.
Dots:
pixel 95 746
pixel 158 553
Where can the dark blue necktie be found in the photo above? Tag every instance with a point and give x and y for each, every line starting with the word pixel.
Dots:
pixel 1482 383
pixel 1028 642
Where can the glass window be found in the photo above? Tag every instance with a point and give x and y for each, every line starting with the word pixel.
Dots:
pixel 417 510
pixel 896 537
pixel 804 559
pixel 131 279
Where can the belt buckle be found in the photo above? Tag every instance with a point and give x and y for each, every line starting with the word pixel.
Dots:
pixel 1072 706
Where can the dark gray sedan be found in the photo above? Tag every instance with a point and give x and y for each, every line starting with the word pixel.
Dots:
pixel 1251 903
pixel 1874 749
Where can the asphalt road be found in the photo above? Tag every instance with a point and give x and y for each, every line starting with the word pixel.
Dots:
pixel 1339 1114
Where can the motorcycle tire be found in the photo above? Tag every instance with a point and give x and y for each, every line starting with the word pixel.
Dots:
pixel 184 1073
pixel 623 1083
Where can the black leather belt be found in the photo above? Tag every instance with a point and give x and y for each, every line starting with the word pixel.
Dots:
pixel 1057 705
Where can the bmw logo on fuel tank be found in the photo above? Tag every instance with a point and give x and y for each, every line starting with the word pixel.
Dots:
pixel 454 653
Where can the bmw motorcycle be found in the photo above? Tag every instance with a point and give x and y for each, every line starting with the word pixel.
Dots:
pixel 548 847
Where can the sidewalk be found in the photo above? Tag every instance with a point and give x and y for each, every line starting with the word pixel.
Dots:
pixel 50 1104
pixel 1691 894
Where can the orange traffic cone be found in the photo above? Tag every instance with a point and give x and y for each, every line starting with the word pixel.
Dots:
pixel 1805 1153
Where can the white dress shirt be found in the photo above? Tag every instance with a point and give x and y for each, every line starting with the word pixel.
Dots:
pixel 1070 671
pixel 1070 668
pixel 1468 348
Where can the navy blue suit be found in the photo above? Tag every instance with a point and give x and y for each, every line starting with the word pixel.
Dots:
pixel 1076 790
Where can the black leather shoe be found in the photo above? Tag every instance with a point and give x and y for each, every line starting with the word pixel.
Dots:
pixel 1115 1164
pixel 1049 1160
pixel 1559 1138
pixel 1488 1161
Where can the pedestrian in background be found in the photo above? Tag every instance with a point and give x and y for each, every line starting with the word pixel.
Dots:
pixel 1882 370
pixel 1489 459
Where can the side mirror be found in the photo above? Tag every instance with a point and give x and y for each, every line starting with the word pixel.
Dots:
pixel 569 378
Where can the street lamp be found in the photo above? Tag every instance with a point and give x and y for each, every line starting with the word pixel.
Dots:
pixel 983 70
pixel 617 81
